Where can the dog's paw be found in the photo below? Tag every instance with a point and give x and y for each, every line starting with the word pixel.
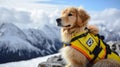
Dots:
pixel 93 29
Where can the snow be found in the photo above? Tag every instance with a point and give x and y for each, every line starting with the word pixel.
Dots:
pixel 51 31
pixel 29 63
pixel 17 44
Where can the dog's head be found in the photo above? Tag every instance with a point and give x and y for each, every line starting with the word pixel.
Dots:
pixel 72 17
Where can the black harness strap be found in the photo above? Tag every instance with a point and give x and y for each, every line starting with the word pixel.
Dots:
pixel 108 50
pixel 96 50
pixel 80 36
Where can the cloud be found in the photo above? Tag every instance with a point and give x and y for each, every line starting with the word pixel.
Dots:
pixel 13 16
pixel 30 5
pixel 31 19
pixel 109 17
pixel 38 18
pixel 42 17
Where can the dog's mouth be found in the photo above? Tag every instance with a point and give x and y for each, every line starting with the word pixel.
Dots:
pixel 63 25
pixel 67 26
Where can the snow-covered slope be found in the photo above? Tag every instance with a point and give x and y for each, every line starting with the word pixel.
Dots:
pixel 13 39
pixel 17 44
pixel 28 63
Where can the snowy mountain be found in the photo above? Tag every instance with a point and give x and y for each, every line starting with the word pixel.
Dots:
pixel 17 44
pixel 23 44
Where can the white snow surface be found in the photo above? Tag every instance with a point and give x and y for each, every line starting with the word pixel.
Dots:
pixel 29 63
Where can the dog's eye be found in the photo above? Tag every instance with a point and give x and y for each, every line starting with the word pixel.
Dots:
pixel 70 14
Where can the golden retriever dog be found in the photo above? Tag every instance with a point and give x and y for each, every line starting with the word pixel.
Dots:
pixel 74 20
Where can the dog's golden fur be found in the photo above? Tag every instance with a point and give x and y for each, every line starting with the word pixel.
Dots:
pixel 107 63
pixel 74 20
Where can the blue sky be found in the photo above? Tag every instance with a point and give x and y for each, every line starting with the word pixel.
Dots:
pixel 88 4
pixel 92 5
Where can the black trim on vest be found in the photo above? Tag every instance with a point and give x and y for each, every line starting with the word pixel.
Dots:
pixel 80 36
pixel 96 51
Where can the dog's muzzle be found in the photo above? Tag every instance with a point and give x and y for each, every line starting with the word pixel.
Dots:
pixel 59 22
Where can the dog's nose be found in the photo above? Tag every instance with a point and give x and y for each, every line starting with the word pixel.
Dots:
pixel 58 20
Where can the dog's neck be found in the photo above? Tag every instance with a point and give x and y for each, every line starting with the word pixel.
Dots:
pixel 68 33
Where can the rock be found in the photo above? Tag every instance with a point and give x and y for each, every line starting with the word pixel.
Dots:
pixel 47 64
pixel 115 46
pixel 55 61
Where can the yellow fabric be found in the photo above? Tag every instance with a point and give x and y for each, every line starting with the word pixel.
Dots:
pixel 114 56
pixel 87 44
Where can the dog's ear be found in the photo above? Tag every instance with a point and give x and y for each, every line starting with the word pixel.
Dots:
pixel 83 17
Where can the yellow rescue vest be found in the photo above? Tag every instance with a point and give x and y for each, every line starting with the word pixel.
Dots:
pixel 92 46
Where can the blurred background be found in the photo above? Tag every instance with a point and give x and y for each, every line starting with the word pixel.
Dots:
pixel 28 27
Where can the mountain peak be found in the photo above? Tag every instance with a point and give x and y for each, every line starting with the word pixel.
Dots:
pixel 9 29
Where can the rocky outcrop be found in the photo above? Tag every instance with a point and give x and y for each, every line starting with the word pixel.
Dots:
pixel 55 61
pixel 115 46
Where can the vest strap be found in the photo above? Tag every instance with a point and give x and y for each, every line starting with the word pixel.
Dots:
pixel 80 36
pixel 96 52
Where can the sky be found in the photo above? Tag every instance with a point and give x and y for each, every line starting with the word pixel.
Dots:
pixel 37 13
pixel 36 4
pixel 90 5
